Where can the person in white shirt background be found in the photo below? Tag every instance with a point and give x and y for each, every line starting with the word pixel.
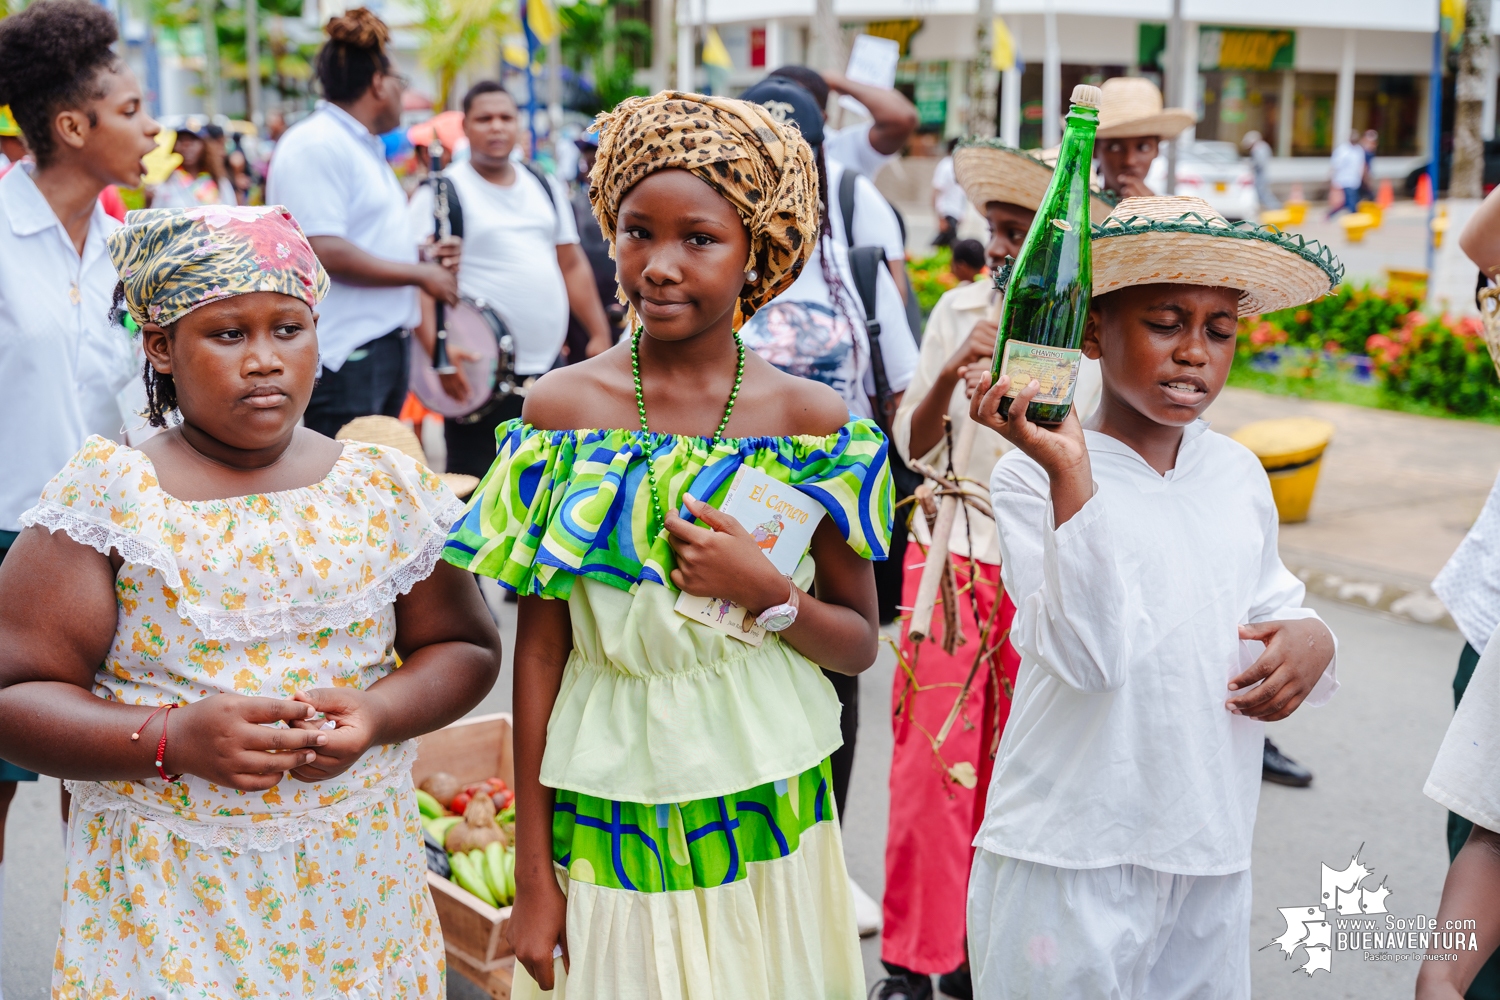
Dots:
pixel 330 171
pixel 948 201
pixel 62 357
pixel 520 255
pixel 1157 629
pixel 1346 173
pixel 1132 126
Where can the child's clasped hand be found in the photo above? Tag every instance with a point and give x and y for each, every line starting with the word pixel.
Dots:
pixel 226 739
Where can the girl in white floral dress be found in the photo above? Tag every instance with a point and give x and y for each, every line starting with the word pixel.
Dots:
pixel 204 636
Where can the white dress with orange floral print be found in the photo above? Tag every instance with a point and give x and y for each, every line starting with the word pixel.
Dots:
pixel 188 889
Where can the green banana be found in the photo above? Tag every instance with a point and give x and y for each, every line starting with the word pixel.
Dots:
pixel 429 806
pixel 510 873
pixel 470 880
pixel 494 870
pixel 440 826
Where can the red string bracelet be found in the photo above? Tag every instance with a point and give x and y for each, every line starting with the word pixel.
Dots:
pixel 161 746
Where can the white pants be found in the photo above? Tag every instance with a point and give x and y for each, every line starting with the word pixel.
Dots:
pixel 1123 933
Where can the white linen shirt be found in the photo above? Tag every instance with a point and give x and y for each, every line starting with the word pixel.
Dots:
pixel 1465 777
pixel 62 361
pixel 1469 584
pixel 1118 749
pixel 330 171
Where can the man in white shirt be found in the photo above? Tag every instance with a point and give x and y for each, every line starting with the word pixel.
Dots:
pixel 330 171
pixel 1157 629
pixel 948 201
pixel 1346 172
pixel 62 358
pixel 521 255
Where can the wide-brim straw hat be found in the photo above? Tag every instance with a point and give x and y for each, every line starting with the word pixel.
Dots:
pixel 989 170
pixel 1181 240
pixel 1131 106
pixel 388 432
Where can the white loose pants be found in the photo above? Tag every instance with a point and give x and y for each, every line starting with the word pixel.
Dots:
pixel 1122 933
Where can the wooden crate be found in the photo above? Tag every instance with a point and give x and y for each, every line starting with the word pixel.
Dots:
pixel 473 931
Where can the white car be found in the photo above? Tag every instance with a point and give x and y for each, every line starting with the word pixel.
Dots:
pixel 1213 171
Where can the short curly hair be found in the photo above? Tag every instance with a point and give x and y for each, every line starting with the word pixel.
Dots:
pixel 51 55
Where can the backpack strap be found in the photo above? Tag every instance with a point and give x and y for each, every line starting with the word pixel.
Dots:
pixel 865 265
pixel 541 178
pixel 846 203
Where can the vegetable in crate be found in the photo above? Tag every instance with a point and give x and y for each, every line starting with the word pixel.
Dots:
pixel 429 807
pixel 495 788
pixel 470 877
pixel 444 787
pixel 477 830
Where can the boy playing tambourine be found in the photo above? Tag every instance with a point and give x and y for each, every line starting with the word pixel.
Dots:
pixel 1157 629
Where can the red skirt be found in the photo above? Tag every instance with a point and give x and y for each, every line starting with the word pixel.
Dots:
pixel 937 794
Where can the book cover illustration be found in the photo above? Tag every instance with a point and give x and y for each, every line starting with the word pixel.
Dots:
pixel 781 520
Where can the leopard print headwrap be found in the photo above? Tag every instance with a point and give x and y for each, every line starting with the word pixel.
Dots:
pixel 763 167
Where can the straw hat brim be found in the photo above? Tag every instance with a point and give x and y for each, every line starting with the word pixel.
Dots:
pixel 1272 270
pixel 388 432
pixel 1168 123
pixel 999 173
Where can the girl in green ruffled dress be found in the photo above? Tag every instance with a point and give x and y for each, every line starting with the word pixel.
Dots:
pixel 677 835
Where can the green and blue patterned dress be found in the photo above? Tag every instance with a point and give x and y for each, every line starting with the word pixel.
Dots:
pixel 694 828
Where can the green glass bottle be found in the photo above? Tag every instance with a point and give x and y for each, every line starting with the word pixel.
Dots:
pixel 1047 298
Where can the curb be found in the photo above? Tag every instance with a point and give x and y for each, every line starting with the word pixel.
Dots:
pixel 1407 600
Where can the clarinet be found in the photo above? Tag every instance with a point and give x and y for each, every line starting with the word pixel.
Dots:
pixel 441 229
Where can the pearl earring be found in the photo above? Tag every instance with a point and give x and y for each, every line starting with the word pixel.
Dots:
pixel 752 276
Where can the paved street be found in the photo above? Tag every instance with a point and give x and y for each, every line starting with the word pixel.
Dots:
pixel 1371 749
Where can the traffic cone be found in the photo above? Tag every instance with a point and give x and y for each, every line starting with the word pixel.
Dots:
pixel 1424 189
pixel 1386 196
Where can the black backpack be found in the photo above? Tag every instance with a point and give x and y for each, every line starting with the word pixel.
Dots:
pixel 865 265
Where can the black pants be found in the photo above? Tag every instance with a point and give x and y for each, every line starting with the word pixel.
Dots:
pixel 372 381
pixel 842 760
pixel 1486 985
pixel 471 447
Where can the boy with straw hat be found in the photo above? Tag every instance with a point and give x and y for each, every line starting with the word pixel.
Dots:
pixel 934 814
pixel 1157 630
pixel 1132 126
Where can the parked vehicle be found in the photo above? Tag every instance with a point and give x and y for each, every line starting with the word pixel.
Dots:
pixel 1213 171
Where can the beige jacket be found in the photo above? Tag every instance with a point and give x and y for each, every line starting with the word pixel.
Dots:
pixel 948 327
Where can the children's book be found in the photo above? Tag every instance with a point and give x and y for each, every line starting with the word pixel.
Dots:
pixel 781 519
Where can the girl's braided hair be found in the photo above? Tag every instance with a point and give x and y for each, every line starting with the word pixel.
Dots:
pixel 161 391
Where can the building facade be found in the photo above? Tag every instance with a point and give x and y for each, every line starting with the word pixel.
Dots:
pixel 1302 74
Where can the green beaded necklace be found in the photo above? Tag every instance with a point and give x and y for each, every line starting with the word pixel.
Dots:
pixel 640 405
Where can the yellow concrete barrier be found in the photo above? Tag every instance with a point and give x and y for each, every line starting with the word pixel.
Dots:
pixel 1291 451
pixel 1373 209
pixel 1356 224
pixel 1298 210
pixel 1279 217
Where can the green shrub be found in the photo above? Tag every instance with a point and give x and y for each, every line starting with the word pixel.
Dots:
pixel 930 278
pixel 1438 360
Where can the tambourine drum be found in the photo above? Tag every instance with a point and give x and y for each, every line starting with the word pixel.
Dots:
pixel 477 332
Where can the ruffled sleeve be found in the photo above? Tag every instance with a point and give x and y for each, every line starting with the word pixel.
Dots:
pixel 556 505
pixel 320 557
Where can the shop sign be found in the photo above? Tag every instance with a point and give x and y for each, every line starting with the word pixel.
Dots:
pixel 899 32
pixel 1223 48
pixel 1246 49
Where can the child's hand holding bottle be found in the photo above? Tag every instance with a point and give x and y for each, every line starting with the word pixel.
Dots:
pixel 1060 451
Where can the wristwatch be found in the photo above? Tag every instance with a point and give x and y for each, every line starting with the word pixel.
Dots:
pixel 780 616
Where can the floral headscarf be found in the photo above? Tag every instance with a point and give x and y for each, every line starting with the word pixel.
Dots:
pixel 173 260
pixel 763 167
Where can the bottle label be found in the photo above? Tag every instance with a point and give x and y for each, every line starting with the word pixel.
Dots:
pixel 1055 368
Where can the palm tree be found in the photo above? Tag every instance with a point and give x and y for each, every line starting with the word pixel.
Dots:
pixel 458 32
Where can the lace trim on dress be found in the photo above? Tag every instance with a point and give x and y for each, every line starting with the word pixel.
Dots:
pixel 244 833
pixel 246 624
